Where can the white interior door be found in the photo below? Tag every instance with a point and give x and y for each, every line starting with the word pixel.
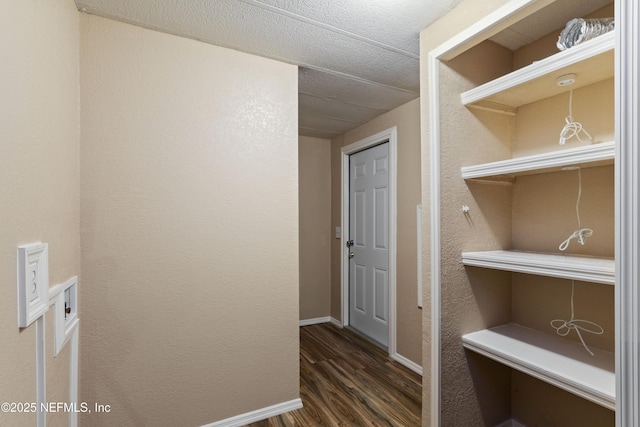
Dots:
pixel 369 240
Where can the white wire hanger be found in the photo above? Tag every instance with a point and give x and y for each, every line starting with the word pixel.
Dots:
pixel 564 327
pixel 580 234
pixel 571 128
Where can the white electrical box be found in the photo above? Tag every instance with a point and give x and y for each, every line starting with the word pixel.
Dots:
pixel 66 313
pixel 33 282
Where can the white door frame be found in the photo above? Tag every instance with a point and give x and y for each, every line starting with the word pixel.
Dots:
pixel 390 136
pixel 627 289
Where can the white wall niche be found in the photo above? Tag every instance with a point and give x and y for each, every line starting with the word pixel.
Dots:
pixel 66 314
pixel 33 282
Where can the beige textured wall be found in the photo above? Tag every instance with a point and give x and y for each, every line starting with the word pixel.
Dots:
pixel 39 138
pixel 189 227
pixel 566 409
pixel 474 390
pixel 468 12
pixel 538 125
pixel 465 14
pixel 314 171
pixel 407 120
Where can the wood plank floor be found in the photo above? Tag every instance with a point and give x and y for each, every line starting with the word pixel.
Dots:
pixel 347 381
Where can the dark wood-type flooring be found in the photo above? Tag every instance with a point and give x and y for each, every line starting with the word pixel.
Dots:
pixel 347 381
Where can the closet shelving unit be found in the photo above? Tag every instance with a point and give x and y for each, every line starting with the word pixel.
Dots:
pixel 586 269
pixel 552 359
pixel 557 361
pixel 584 156
pixel 592 60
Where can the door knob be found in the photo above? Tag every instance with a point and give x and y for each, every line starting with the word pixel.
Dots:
pixel 351 254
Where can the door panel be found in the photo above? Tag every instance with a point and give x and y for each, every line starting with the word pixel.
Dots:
pixel 381 290
pixel 360 291
pixel 369 230
pixel 380 218
pixel 360 218
pixel 381 165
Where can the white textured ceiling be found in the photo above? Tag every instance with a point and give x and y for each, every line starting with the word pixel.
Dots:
pixel 357 58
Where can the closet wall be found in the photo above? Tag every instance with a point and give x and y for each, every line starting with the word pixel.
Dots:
pixel 473 299
pixel 468 12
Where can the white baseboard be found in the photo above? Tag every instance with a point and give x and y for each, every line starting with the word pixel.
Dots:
pixel 259 415
pixel 511 423
pixel 318 320
pixel 407 363
pixel 315 321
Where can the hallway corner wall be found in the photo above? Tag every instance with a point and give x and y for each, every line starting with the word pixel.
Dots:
pixel 39 138
pixel 189 227
pixel 316 235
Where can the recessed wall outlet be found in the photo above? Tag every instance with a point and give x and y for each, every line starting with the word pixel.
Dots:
pixel 67 304
pixel 566 80
pixel 66 313
pixel 33 282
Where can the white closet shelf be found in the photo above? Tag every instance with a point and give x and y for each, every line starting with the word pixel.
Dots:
pixel 583 156
pixel 587 269
pixel 591 61
pixel 560 362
